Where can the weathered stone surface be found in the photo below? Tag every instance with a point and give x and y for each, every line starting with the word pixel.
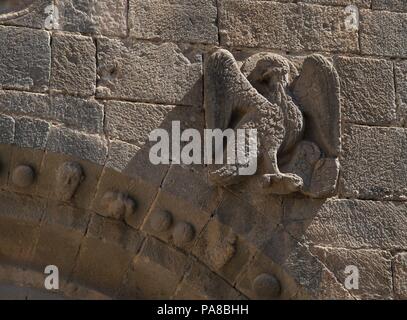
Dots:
pixel 293 27
pixel 142 71
pixel 400 275
pixel 31 133
pixel 177 21
pixel 383 33
pixel 358 3
pixel 19 46
pixel 25 104
pixel 81 114
pixel 359 224
pixel 400 70
pixel 73 64
pixel 374 163
pixel 367 90
pixel 390 5
pixel 375 277
pixel 106 17
pixel 26 13
pixel 200 283
pixel 155 272
pixel 7 129
pixel 77 144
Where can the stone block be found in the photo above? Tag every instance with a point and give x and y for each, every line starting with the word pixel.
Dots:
pixel 107 17
pixel 390 5
pixel 374 266
pixel 73 64
pixel 5 163
pixel 383 33
pixel 7 129
pixel 373 163
pixel 177 21
pixel 400 275
pixel 155 272
pixel 20 103
pixel 400 70
pixel 77 144
pixel 358 3
pixel 19 46
pixel 151 72
pixel 31 133
pixel 357 224
pixel 290 27
pixel 367 90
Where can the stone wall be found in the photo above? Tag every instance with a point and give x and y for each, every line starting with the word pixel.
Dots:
pixel 91 88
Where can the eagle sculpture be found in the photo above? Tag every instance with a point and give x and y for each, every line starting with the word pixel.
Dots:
pixel 296 114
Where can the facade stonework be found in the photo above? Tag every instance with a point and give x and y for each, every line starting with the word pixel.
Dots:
pixel 82 85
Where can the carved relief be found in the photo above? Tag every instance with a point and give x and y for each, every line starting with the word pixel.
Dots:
pixel 23 176
pixel 11 9
pixel 118 205
pixel 69 177
pixel 296 114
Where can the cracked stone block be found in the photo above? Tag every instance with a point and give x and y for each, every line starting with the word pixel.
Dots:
pixel 48 184
pixel 20 218
pixel 390 5
pixel 367 90
pixel 200 283
pixel 151 72
pixel 31 133
pixel 400 275
pixel 189 213
pixel 357 224
pixel 291 27
pixel 177 21
pixel 374 163
pixel 374 266
pixel 400 71
pixel 222 250
pixel 155 272
pixel 107 17
pixel 7 129
pixel 139 191
pixel 77 144
pixel 106 254
pixel 250 224
pixel 73 64
pixel 25 13
pixel 21 45
pixel 383 33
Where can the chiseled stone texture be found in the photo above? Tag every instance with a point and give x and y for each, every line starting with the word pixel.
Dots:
pixel 107 17
pixel 390 5
pixel 374 163
pixel 400 71
pixel 77 144
pixel 73 64
pixel 293 27
pixel 30 14
pixel 20 45
pixel 179 21
pixel 374 267
pixel 358 3
pixel 383 33
pixel 150 72
pixel 357 224
pixel 85 115
pixel 7 129
pixel 31 133
pixel 400 275
pixel 367 90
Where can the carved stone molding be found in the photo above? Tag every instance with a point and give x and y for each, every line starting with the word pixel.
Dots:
pixel 11 9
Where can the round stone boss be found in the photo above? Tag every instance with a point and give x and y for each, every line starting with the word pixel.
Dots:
pixel 23 176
